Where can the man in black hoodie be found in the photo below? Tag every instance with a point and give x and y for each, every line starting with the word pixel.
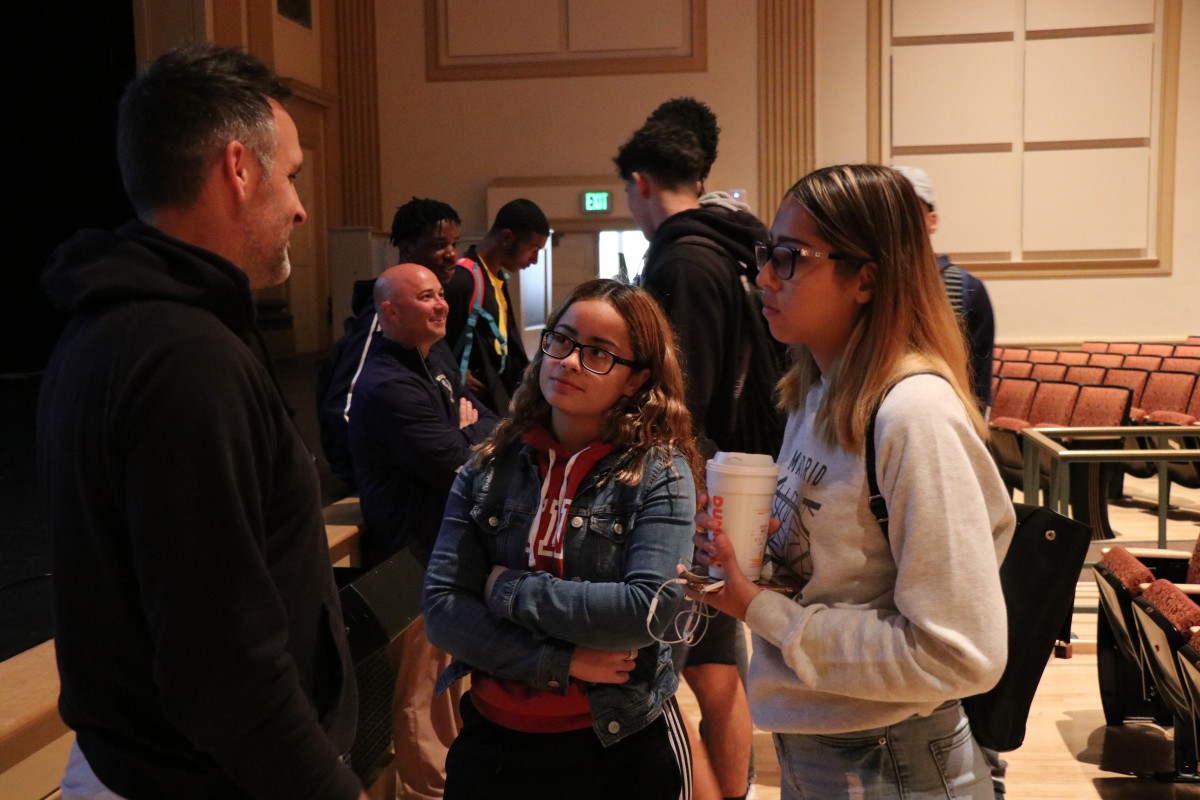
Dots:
pixel 199 636
pixel 700 267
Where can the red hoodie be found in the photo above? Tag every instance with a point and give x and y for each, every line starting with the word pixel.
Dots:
pixel 511 703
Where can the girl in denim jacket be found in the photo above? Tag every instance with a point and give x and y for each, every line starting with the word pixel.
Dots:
pixel 557 538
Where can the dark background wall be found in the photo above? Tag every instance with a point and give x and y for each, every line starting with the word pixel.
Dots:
pixel 67 65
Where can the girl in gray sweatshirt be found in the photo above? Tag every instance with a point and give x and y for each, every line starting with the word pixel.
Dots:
pixel 858 671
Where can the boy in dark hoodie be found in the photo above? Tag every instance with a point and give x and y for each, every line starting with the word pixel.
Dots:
pixel 700 267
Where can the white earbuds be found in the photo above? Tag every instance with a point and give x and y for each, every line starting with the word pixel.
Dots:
pixel 691 622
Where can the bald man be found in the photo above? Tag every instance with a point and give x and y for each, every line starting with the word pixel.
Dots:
pixel 411 427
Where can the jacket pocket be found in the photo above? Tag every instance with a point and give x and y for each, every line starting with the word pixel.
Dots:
pixel 505 531
pixel 601 543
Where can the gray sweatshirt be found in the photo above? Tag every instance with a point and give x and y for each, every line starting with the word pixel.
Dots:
pixel 882 630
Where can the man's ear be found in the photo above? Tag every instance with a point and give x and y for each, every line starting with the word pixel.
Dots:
pixel 642 183
pixel 931 222
pixel 865 291
pixel 239 168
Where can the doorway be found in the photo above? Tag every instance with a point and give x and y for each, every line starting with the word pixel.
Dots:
pixel 620 254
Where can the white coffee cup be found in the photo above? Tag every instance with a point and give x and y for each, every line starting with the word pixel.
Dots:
pixel 740 489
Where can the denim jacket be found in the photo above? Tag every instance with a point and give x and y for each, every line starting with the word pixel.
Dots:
pixel 621 546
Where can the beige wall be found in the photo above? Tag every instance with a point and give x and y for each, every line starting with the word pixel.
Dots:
pixel 1041 310
pixel 449 140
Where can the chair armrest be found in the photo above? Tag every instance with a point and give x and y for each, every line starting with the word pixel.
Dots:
pixel 1170 418
pixel 1142 553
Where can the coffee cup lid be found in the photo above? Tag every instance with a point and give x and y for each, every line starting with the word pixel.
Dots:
pixel 743 459
pixel 749 465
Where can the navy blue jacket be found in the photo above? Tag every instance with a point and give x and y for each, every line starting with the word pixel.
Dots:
pixel 980 327
pixel 406 445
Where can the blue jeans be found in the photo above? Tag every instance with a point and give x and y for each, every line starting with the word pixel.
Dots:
pixel 920 758
pixel 80 783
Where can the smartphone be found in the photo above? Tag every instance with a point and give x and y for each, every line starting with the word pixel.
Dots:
pixel 704 584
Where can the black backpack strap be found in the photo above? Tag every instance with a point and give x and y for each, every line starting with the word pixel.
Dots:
pixel 875 497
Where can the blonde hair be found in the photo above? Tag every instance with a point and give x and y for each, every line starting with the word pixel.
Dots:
pixel 655 417
pixel 872 215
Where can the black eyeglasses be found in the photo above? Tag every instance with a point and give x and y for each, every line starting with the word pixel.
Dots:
pixel 592 358
pixel 782 257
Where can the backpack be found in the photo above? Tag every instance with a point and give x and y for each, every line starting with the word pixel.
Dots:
pixel 466 340
pixel 765 370
pixel 1038 579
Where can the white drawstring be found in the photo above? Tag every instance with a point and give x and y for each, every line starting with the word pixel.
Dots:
pixel 532 539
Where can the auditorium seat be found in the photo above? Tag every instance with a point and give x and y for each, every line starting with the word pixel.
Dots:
pixel 1148 363
pixel 1080 373
pixel 1166 617
pixel 1189 416
pixel 1182 473
pixel 1106 360
pixel 1101 407
pixel 1155 349
pixel 1179 364
pixel 1013 397
pixel 1073 357
pixel 1126 690
pixel 1012 400
pixel 1133 379
pixel 1043 371
pixel 1015 369
pixel 1168 391
pixel 1016 354
pixel 1165 391
pixel 1189 670
pixel 1043 356
pixel 1091 482
pixel 1053 402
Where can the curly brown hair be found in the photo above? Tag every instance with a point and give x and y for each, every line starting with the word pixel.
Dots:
pixel 655 417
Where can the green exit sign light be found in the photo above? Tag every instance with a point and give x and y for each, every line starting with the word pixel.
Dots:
pixel 595 202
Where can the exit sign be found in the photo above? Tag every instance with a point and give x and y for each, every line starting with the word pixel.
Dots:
pixel 595 202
